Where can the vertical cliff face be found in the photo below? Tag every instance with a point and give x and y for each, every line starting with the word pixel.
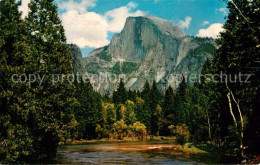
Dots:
pixel 148 48
pixel 77 60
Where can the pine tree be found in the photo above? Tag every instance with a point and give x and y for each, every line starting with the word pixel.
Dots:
pixel 120 112
pixel 142 112
pixel 169 110
pixel 16 140
pixel 130 117
pixel 159 118
pixel 120 95
pixel 88 112
pixel 238 52
pixel 181 100
pixel 50 56
pixel 182 88
pixel 146 92
pixel 155 99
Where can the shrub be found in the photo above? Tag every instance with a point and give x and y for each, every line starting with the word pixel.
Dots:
pixel 181 132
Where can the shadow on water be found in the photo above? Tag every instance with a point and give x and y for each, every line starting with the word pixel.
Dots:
pixel 120 153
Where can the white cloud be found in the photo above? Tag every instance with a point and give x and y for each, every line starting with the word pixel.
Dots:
pixel 222 10
pixel 132 5
pixel 118 16
pixel 185 23
pixel 205 23
pixel 81 7
pixel 91 29
pixel 212 31
pixel 24 8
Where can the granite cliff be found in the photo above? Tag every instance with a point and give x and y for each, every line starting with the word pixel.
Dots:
pixel 148 48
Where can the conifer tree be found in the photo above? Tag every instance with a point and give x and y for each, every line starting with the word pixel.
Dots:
pixel 238 53
pixel 168 105
pixel 142 112
pixel 181 100
pixel 16 140
pixel 169 110
pixel 155 98
pixel 120 95
pixel 50 56
pixel 159 118
pixel 130 117
pixel 146 92
pixel 88 111
pixel 182 88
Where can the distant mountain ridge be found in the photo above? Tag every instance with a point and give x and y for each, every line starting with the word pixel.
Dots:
pixel 148 48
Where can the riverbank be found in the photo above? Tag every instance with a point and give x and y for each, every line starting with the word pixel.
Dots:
pixel 157 151
pixel 165 144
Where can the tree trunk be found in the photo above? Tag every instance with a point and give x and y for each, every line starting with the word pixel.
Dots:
pixel 231 112
pixel 209 124
pixel 241 134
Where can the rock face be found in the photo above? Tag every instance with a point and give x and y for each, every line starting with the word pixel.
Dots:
pixel 148 48
pixel 77 60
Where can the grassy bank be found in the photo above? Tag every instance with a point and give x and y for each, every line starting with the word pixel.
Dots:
pixel 164 144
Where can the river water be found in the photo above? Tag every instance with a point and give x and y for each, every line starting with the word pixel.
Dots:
pixel 123 153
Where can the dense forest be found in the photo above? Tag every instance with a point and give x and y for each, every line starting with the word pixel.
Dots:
pixel 35 118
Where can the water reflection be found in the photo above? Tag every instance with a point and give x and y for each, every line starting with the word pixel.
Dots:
pixel 121 153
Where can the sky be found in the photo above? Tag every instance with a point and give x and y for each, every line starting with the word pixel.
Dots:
pixel 92 23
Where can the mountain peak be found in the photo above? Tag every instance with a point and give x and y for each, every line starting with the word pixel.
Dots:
pixel 148 48
pixel 165 26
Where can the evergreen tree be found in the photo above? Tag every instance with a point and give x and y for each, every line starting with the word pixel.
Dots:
pixel 54 103
pixel 131 95
pixel 146 92
pixel 16 140
pixel 169 109
pixel 238 53
pixel 130 117
pixel 88 112
pixel 120 95
pixel 159 118
pixel 182 88
pixel 142 113
pixel 120 112
pixel 181 100
pixel 155 98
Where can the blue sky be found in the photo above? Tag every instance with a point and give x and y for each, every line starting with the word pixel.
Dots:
pixel 173 10
pixel 92 23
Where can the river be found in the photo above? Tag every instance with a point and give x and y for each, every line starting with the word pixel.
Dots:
pixel 134 153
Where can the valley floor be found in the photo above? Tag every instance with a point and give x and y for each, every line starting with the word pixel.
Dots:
pixel 159 150
pixel 157 144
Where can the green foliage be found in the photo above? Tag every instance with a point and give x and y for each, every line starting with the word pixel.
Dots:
pixel 155 98
pixel 104 55
pixel 202 50
pixel 169 109
pixel 181 132
pixel 120 112
pixel 16 140
pixel 99 130
pixel 119 130
pixel 124 67
pixel 130 117
pixel 138 130
pixel 120 95
pixel 36 117
pixel 109 114
pixel 88 111
pixel 142 112
pixel 159 118
pixel 238 52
